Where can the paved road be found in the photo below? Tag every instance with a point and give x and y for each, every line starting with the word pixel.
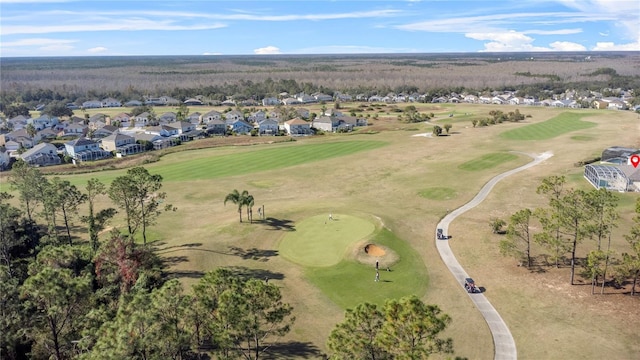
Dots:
pixel 505 346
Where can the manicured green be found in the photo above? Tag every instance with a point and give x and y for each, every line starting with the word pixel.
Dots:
pixel 438 193
pixel 563 123
pixel 319 241
pixel 208 164
pixel 349 282
pixel 487 161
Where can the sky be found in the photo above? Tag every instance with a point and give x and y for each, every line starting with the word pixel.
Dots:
pixel 119 28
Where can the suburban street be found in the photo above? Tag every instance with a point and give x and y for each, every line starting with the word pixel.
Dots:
pixel 504 344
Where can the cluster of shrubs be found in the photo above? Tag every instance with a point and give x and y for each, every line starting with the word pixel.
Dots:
pixel 498 117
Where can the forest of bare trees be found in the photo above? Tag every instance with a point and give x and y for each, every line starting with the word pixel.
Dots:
pixel 126 77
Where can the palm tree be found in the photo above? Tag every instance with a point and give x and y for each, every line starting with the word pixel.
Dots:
pixel 249 202
pixel 238 199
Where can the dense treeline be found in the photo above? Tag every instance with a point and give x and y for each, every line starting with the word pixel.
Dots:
pixel 32 82
pixel 574 218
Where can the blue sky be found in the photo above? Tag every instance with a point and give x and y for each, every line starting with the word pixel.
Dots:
pixel 83 28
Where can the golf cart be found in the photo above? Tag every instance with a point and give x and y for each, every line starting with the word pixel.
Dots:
pixel 441 235
pixel 470 286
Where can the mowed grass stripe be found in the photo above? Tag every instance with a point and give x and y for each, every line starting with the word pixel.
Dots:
pixel 257 159
pixel 486 161
pixel 261 160
pixel 561 124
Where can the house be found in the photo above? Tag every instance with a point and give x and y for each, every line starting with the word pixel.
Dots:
pixel 249 102
pixel 142 119
pixel 216 127
pixel 257 116
pixel 162 130
pixel 122 119
pixel 193 102
pixel 133 103
pixel 47 134
pixel 600 104
pixel 228 102
pixel 290 101
pixel 268 127
pixel 211 115
pixel 83 149
pixel 73 130
pixel 5 158
pixel 338 123
pixel 617 105
pixel 105 131
pixel 21 137
pixel 169 101
pixel 194 118
pixel 332 112
pixel 297 126
pixel 324 123
pixel 121 143
pixel 97 121
pixel 12 146
pixel 374 98
pixel 241 127
pixel 92 104
pixel 183 126
pixel 43 154
pixel 43 122
pixel 303 113
pixel 306 99
pixel 167 117
pixel 233 116
pixel 270 101
pixel 322 97
pixel 157 142
pixel 111 102
pixel 343 97
pixel 18 122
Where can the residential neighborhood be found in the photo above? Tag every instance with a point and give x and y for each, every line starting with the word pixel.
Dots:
pixel 100 136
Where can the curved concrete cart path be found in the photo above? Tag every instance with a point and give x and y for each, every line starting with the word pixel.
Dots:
pixel 505 346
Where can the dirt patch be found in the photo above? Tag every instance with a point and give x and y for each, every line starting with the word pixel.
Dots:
pixel 368 253
pixel 374 250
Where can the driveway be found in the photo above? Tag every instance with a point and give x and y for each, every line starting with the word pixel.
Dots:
pixel 505 346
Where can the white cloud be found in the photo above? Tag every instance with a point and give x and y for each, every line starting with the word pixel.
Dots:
pixel 267 50
pixel 610 46
pixel 97 49
pixel 518 41
pixel 566 46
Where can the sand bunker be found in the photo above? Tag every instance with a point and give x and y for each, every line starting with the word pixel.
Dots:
pixel 368 253
pixel 374 250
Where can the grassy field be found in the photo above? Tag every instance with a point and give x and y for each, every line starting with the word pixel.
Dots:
pixel 564 123
pixel 409 183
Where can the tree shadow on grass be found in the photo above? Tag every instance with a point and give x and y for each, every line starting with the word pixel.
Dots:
pixel 259 274
pixel 294 350
pixel 278 224
pixel 192 274
pixel 253 253
pixel 172 260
